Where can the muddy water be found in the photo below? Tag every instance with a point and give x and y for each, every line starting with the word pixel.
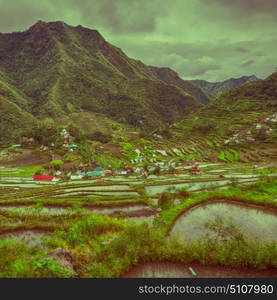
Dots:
pixel 254 224
pixel 177 270
pixel 237 175
pixel 136 212
pixel 157 189
pixel 205 165
pixel 16 179
pixel 217 171
pixel 28 237
pixel 8 170
pixel 117 193
pixel 27 210
pixel 192 186
pixel 96 193
pixel 25 185
pixel 123 209
pixel 101 188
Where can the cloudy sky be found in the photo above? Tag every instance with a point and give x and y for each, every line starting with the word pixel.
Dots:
pixel 200 39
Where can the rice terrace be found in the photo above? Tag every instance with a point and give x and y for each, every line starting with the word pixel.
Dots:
pixel 111 167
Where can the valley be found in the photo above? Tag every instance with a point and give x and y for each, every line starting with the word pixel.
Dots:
pixel 113 168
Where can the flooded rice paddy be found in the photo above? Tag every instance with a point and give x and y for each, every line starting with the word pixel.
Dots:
pixel 28 237
pixel 256 224
pixel 191 186
pixel 139 212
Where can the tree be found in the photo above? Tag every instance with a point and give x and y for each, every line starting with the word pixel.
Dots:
pixel 204 127
pixel 44 133
pixel 75 132
pixel 128 150
pixel 86 153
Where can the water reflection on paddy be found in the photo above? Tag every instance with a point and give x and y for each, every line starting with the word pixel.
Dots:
pixel 255 224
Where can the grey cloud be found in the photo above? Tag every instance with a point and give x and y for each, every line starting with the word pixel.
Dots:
pixel 247 63
pixel 117 16
pixel 185 58
pixel 259 53
pixel 242 50
pixel 200 70
pixel 120 16
pixel 209 39
pixel 17 15
pixel 248 6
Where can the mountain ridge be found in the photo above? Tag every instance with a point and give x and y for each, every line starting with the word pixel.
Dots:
pixel 170 76
pixel 217 88
pixel 59 68
pixel 239 107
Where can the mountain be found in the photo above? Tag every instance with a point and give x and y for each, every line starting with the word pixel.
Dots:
pixel 241 124
pixel 239 107
pixel 171 77
pixel 56 69
pixel 216 88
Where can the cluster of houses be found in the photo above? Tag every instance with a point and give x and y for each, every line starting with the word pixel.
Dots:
pixel 68 141
pixel 83 172
pixel 271 119
pixel 66 138
pixel 94 171
pixel 69 147
pixel 263 128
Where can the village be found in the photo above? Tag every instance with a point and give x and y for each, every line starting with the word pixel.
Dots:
pixel 257 131
pixel 142 163
pixel 140 166
pixel 71 197
pixel 64 156
pixel 60 172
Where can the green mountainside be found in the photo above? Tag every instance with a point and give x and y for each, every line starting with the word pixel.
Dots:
pixel 71 76
pixel 56 69
pixel 13 120
pixel 169 76
pixel 243 121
